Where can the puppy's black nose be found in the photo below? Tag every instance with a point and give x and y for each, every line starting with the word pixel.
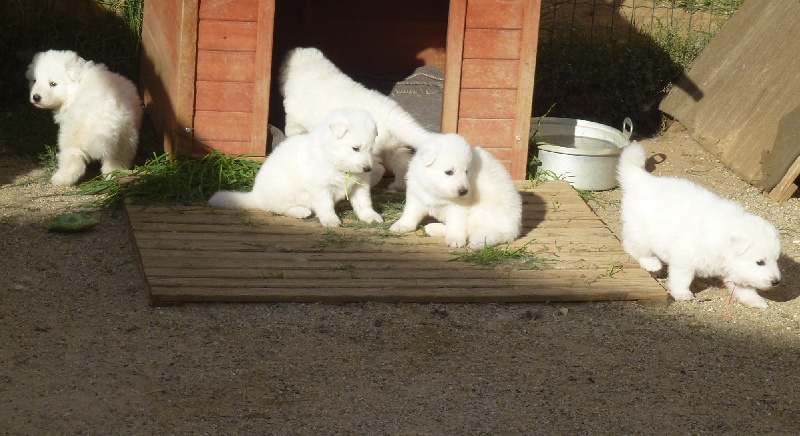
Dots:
pixel 36 98
pixel 367 169
pixel 462 192
pixel 776 282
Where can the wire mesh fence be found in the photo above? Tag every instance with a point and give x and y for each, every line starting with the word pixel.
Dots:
pixel 603 60
pixel 620 21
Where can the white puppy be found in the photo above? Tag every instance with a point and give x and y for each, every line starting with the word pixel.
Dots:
pixel 98 112
pixel 466 189
pixel 695 233
pixel 312 86
pixel 309 173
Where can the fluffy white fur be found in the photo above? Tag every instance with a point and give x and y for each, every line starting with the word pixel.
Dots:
pixel 466 189
pixel 309 173
pixel 98 112
pixel 312 86
pixel 694 232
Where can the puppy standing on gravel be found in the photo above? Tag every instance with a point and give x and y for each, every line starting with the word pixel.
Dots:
pixel 309 173
pixel 466 189
pixel 99 112
pixel 312 86
pixel 695 233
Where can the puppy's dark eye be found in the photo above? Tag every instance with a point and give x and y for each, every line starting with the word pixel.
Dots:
pixel 356 148
pixel 761 263
pixel 449 172
pixel 52 84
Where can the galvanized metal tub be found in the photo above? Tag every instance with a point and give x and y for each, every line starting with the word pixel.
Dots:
pixel 582 152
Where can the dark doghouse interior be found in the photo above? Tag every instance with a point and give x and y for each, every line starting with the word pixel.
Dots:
pixel 377 43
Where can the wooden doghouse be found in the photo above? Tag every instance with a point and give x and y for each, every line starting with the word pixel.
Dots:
pixel 208 65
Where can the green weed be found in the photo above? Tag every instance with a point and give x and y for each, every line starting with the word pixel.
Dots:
pixel 173 180
pixel 504 256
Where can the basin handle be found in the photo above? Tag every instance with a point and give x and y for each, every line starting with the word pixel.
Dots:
pixel 627 129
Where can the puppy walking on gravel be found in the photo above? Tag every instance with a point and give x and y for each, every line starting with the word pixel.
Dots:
pixel 466 189
pixel 312 86
pixel 309 173
pixel 98 112
pixel 694 232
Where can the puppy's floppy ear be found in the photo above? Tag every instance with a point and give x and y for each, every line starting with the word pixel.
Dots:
pixel 29 73
pixel 75 67
pixel 740 242
pixel 338 129
pixel 427 154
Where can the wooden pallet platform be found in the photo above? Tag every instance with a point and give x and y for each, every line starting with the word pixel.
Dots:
pixel 208 254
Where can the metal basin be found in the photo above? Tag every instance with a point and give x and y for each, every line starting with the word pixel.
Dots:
pixel 582 152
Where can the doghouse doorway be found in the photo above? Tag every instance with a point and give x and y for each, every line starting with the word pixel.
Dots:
pixel 376 46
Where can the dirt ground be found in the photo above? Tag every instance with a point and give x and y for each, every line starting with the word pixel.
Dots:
pixel 84 353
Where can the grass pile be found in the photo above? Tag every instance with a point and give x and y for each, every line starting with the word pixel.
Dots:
pixel 166 179
pixel 504 256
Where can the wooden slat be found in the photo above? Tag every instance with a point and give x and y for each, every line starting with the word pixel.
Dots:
pixel 226 126
pixel 226 66
pixel 226 35
pixel 263 63
pixel 786 187
pixel 224 96
pixel 493 14
pixel 453 64
pixel 492 44
pixel 529 40
pixel 206 254
pixel 239 10
pixel 488 133
pixel 490 74
pixel 488 103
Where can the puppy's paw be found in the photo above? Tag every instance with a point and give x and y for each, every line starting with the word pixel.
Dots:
pixel 64 179
pixel 401 227
pixel 750 298
pixel 298 212
pixel 435 229
pixel 456 242
pixel 682 295
pixel 650 264
pixel 371 217
pixel 477 245
pixel 330 221
pixel 396 186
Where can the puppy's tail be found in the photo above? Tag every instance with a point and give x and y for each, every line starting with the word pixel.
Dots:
pixel 631 165
pixel 234 200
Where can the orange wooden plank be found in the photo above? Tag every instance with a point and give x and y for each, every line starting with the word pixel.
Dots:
pixel 226 66
pixel 187 60
pixel 454 57
pixel 259 132
pixel 525 88
pixel 239 10
pixel 488 103
pixel 492 44
pixel 225 126
pixel 495 14
pixel 225 96
pixel 227 35
pixel 490 73
pixel 169 38
pixel 488 133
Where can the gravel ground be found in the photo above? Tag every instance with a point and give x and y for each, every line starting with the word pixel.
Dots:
pixel 84 353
